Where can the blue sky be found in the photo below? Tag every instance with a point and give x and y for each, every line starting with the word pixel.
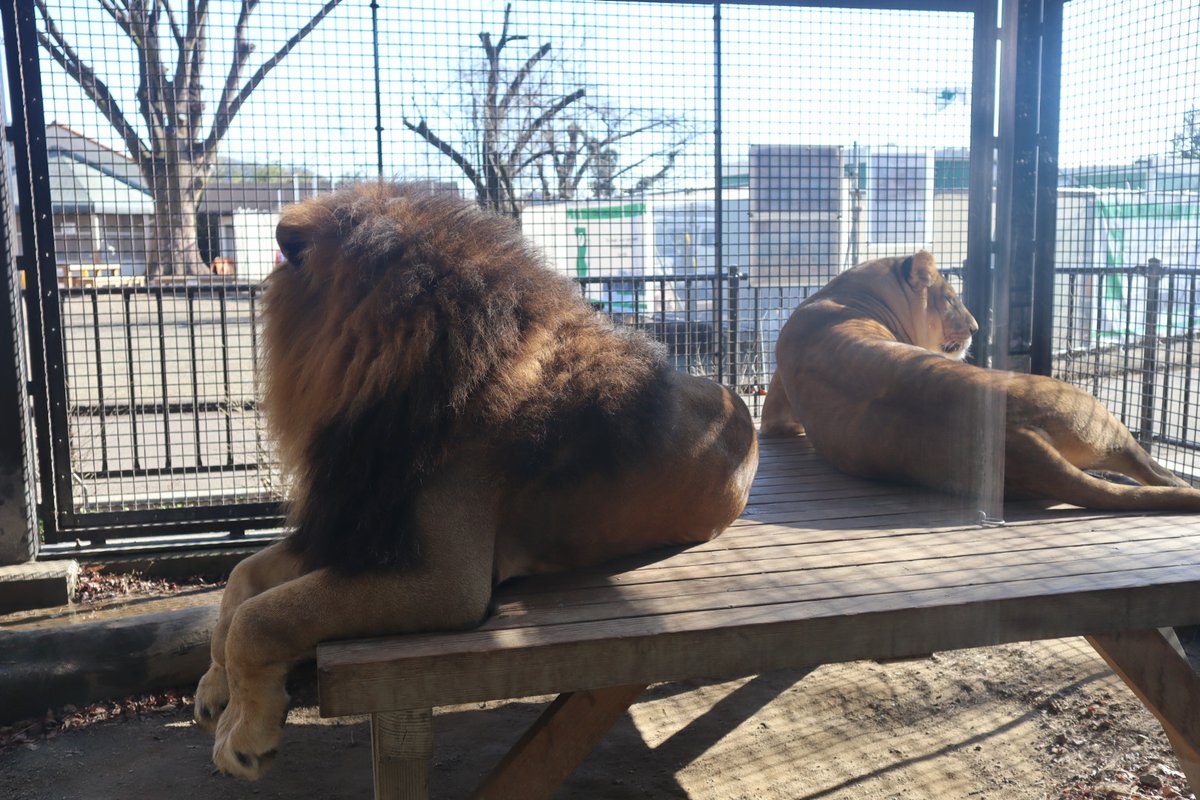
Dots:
pixel 815 76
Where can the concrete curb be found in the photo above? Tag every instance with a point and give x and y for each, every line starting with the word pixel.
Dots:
pixel 38 584
pixel 91 661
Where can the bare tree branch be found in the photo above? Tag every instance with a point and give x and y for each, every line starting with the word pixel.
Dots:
pixel 547 115
pixel 422 130
pixel 97 91
pixel 514 86
pixel 171 22
pixel 189 67
pixel 648 181
pixel 227 111
pixel 518 129
pixel 534 157
pixel 154 92
pixel 669 156
pixel 120 16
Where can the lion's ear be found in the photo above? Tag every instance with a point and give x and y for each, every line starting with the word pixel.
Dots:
pixel 920 270
pixel 294 234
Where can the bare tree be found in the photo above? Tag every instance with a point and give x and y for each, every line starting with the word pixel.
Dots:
pixel 176 151
pixel 1186 143
pixel 587 148
pixel 521 125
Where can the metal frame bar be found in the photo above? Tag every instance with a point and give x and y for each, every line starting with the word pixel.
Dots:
pixel 978 288
pixel 47 359
pixel 1012 173
pixel 1046 218
pixel 718 202
pixel 18 526
pixel 865 5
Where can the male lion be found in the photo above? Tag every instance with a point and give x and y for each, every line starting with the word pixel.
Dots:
pixel 452 414
pixel 869 367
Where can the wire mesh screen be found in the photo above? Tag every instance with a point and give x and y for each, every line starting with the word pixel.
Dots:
pixel 698 174
pixel 1128 247
pixel 818 179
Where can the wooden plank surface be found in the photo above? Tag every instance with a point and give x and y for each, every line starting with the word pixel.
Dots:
pixel 821 568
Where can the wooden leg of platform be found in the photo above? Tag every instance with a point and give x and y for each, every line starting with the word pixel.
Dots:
pixel 557 743
pixel 1165 683
pixel 401 747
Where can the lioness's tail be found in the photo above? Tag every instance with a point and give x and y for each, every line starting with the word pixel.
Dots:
pixel 1034 466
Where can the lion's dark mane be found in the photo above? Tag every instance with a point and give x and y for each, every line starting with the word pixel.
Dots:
pixel 392 326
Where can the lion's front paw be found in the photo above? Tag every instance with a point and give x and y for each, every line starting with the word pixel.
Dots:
pixel 212 695
pixel 249 732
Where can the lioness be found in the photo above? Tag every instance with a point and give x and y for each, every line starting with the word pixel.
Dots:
pixel 452 414
pixel 870 368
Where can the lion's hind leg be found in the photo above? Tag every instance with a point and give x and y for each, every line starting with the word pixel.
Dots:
pixel 1136 463
pixel 253 575
pixel 1096 440
pixel 1034 465
pixel 778 418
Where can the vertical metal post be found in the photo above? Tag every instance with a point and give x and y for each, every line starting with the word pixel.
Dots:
pixel 97 343
pixel 1046 220
pixel 735 333
pixel 1149 370
pixel 1008 175
pixel 1017 192
pixel 46 358
pixel 162 375
pixel 226 377
pixel 718 205
pixel 983 419
pixel 1189 358
pixel 193 359
pixel 977 285
pixel 18 529
pixel 378 89
pixel 131 368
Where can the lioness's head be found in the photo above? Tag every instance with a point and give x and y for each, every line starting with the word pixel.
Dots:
pixel 940 321
pixel 912 298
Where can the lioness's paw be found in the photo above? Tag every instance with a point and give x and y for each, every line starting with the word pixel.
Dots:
pixel 212 696
pixel 248 734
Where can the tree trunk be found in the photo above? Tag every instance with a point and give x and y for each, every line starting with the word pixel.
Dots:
pixel 176 186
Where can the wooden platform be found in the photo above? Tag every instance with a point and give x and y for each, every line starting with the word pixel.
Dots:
pixel 821 568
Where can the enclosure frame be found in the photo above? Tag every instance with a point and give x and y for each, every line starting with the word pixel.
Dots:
pixel 1009 270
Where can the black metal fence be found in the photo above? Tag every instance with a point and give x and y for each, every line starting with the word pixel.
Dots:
pixel 699 167
pixel 1129 336
pixel 161 384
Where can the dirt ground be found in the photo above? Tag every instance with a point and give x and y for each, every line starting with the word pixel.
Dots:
pixel 1041 720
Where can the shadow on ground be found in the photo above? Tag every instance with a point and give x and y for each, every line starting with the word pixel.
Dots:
pixel 1019 722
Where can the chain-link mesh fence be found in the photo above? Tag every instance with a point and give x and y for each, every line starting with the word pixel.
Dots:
pixel 699 168
pixel 1128 246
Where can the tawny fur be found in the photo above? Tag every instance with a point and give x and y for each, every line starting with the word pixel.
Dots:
pixel 451 414
pixel 863 370
pixel 429 313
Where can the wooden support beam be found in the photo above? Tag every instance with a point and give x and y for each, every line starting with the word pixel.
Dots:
pixel 1189 640
pixel 401 747
pixel 1165 683
pixel 557 743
